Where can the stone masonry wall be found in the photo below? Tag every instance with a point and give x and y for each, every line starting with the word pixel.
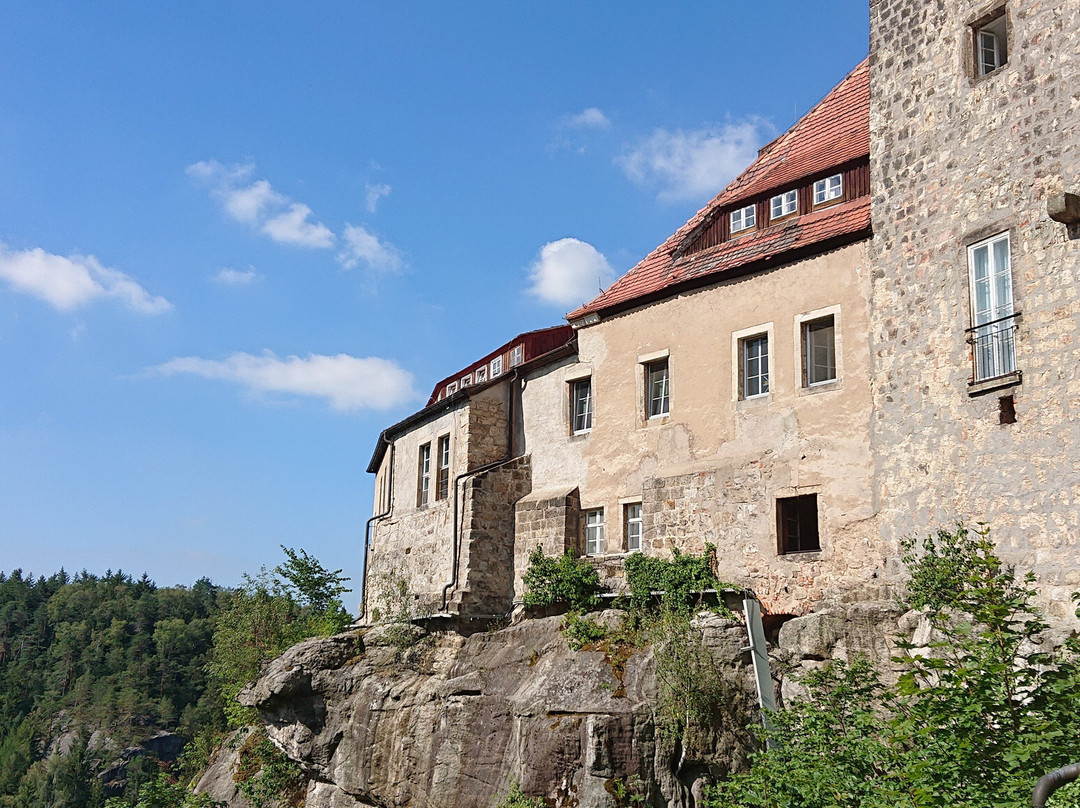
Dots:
pixel 546 519
pixel 488 423
pixel 486 581
pixel 956 159
pixel 733 508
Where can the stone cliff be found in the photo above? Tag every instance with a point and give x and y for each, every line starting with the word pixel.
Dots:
pixel 455 721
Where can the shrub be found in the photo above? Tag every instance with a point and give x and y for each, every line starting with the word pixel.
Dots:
pixel 566 579
pixel 580 631
pixel 681 580
pixel 516 798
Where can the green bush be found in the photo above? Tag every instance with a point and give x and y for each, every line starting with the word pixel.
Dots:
pixel 580 631
pixel 566 579
pixel 680 580
pixel 974 722
pixel 516 798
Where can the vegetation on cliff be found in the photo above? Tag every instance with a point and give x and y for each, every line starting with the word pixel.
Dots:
pixel 978 714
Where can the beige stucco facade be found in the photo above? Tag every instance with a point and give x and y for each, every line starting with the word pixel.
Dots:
pixel 710 471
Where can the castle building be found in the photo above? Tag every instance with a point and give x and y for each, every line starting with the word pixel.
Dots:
pixel 870 333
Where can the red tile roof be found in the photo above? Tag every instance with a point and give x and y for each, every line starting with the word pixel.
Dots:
pixel 835 132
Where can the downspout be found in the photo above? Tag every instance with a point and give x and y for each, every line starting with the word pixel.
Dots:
pixel 455 558
pixel 1051 782
pixel 370 522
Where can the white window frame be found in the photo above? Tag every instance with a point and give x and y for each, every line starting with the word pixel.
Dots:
pixel 828 189
pixel 761 377
pixel 496 366
pixel 810 352
pixel 442 470
pixel 517 355
pixel 632 526
pixel 784 204
pixel 594 531
pixel 993 308
pixel 481 375
pixel 658 406
pixel 581 418
pixel 743 219
pixel 423 475
pixel 466 380
pixel 991 45
pixel 451 388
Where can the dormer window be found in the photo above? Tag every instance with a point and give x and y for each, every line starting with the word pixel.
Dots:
pixel 481 375
pixel 991 45
pixel 782 205
pixel 496 367
pixel 517 355
pixel 828 189
pixel 742 219
pixel 466 380
pixel 451 388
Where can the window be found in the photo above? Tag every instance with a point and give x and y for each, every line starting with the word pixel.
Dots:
pixel 797 524
pixel 782 205
pixel 481 375
pixel 993 332
pixel 991 44
pixel 466 380
pixel 755 366
pixel 742 219
pixel 496 367
pixel 517 355
pixel 594 532
pixel 632 525
pixel 423 482
pixel 581 406
pixel 657 389
pixel 828 189
pixel 451 388
pixel 442 479
pixel 819 352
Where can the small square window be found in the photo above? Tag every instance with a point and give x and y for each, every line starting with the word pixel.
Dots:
pixel 594 532
pixel 496 367
pixel 581 406
pixel 991 44
pixel 423 476
pixel 657 389
pixel 797 524
pixel 828 189
pixel 754 361
pixel 783 205
pixel 481 375
pixel 517 355
pixel 451 388
pixel 466 380
pixel 632 526
pixel 442 479
pixel 742 219
pixel 819 352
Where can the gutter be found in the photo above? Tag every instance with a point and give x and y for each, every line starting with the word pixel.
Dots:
pixel 370 522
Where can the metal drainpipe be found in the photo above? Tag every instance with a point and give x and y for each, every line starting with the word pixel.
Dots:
pixel 487 467
pixel 1051 782
pixel 367 530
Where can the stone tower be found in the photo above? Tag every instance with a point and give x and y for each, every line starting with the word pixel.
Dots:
pixel 975 316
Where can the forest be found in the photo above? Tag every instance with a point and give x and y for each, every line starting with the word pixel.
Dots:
pixel 92 668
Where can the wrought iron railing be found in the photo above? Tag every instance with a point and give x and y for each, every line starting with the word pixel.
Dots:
pixel 993 347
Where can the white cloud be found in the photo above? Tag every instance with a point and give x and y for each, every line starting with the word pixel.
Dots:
pixel 348 383
pixel 694 165
pixel 362 245
pixel 227 276
pixel 569 272
pixel 374 194
pixel 293 227
pixel 259 205
pixel 591 118
pixel 67 283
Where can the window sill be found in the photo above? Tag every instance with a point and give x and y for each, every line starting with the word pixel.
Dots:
pixel 802 555
pixel 753 402
pixel 997 383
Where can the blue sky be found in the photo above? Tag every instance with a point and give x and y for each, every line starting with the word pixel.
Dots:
pixel 237 239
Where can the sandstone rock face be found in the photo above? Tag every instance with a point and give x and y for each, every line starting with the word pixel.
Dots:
pixel 453 720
